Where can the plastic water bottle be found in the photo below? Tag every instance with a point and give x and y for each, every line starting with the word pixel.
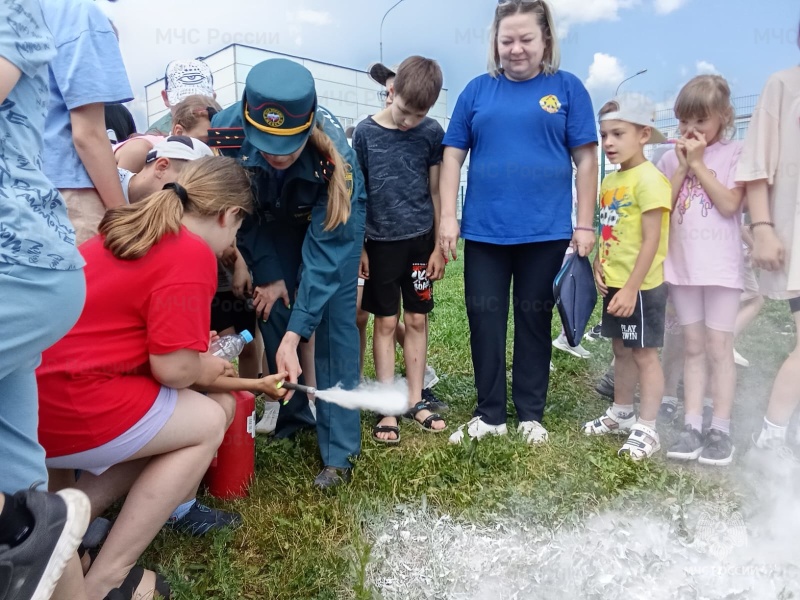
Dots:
pixel 230 346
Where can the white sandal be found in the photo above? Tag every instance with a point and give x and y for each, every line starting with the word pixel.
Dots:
pixel 609 423
pixel 641 443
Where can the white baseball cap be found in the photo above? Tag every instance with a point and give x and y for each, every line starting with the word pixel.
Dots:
pixel 638 110
pixel 179 147
pixel 188 78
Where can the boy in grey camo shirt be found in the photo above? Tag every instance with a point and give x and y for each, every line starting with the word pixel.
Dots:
pixel 400 152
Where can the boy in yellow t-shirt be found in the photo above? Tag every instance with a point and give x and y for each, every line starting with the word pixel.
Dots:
pixel 635 202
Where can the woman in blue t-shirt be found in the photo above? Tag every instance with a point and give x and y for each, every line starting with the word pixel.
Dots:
pixel 524 123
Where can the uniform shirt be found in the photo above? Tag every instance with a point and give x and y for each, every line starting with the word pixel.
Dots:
pixel 772 152
pixel 519 134
pixel 95 383
pixel 163 126
pixel 396 166
pixel 87 69
pixel 288 226
pixel 624 196
pixel 705 248
pixel 34 228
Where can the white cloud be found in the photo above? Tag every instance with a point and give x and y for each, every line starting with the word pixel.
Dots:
pixel 312 17
pixel 568 12
pixel 706 68
pixel 605 72
pixel 664 7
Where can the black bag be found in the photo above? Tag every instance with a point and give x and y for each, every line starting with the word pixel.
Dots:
pixel 576 296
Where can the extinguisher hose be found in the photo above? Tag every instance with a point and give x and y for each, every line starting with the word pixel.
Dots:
pixel 306 389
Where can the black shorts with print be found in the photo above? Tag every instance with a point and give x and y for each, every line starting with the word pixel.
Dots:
pixel 395 268
pixel 645 327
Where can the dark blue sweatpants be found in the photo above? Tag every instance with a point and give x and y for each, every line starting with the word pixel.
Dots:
pixel 489 270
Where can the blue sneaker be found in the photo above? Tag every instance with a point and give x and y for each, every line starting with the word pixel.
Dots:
pixel 436 404
pixel 201 519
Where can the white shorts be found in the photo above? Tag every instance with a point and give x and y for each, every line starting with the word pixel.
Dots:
pixel 99 460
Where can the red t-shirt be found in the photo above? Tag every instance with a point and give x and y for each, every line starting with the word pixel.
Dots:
pixel 95 383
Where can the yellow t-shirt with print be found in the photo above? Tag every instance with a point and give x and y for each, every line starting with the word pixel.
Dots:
pixel 624 196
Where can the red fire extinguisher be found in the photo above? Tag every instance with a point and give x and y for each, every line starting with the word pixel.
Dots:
pixel 232 470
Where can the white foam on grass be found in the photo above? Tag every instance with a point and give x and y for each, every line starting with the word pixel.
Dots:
pixel 701 550
pixel 385 399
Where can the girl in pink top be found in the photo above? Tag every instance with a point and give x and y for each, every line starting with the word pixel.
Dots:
pixel 704 265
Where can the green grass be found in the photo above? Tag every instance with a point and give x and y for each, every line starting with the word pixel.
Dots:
pixel 298 542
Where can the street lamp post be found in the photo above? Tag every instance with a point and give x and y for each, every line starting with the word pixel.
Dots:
pixel 602 152
pixel 381 29
pixel 642 72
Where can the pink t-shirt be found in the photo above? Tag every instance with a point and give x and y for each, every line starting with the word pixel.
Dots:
pixel 151 139
pixel 705 248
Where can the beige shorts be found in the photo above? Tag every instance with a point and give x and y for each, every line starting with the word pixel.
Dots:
pixel 751 290
pixel 85 210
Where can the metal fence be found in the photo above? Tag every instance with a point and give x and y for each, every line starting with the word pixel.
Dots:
pixel 668 125
pixel 743 105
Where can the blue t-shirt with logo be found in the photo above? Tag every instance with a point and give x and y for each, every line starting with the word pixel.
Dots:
pixel 34 228
pixel 519 134
pixel 87 69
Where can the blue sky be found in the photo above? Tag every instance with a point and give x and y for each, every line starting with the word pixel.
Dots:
pixel 603 41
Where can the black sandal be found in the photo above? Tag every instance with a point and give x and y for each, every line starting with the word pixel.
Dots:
pixel 128 587
pixel 92 552
pixel 385 429
pixel 428 421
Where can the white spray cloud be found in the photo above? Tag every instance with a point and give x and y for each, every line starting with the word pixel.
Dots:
pixel 385 399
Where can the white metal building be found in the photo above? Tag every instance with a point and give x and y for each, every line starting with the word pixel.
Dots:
pixel 347 93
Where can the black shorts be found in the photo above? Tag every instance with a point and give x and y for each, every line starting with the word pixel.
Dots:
pixel 395 268
pixel 645 327
pixel 229 311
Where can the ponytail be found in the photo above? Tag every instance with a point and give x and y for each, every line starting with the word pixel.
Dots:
pixel 206 187
pixel 338 191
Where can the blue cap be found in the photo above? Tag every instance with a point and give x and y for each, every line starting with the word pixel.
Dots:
pixel 279 106
pixel 247 336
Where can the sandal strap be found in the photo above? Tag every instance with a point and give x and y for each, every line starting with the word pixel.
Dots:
pixel 421 405
pixel 127 589
pixel 162 587
pixel 386 429
pixel 430 419
pixel 641 443
pixel 132 581
pixel 652 433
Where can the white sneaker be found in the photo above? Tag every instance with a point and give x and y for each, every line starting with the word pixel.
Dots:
pixel 560 343
pixel 739 359
pixel 476 429
pixel 552 366
pixel 431 378
pixel 270 419
pixel 533 432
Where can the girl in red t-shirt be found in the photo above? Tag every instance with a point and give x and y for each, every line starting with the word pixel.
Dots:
pixel 115 393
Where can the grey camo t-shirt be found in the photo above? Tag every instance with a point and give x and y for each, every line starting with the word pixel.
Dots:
pixel 395 165
pixel 34 228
